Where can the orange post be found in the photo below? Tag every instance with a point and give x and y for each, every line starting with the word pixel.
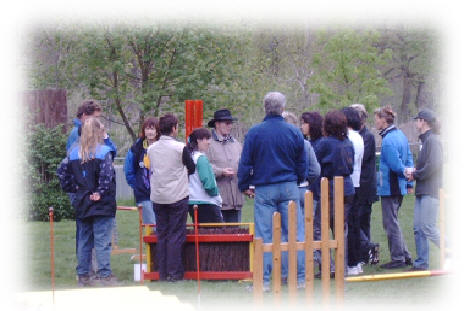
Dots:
pixel 141 243
pixel 309 248
pixel 325 251
pixel 193 116
pixel 258 271
pixel 340 237
pixel 276 256
pixel 198 113
pixel 52 250
pixel 292 251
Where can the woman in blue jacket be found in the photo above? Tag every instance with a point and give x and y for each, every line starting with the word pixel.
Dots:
pixel 89 173
pixel 395 156
pixel 137 168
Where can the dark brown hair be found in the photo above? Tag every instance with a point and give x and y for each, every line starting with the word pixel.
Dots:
pixel 150 122
pixel 315 120
pixel 335 124
pixel 198 133
pixel 387 113
pixel 89 107
pixel 166 123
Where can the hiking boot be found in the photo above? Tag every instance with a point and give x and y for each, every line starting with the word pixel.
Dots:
pixel 360 267
pixel 84 281
pixel 417 269
pixel 109 280
pixel 393 265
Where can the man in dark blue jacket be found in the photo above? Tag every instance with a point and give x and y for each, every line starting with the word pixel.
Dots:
pixel 428 177
pixel 273 161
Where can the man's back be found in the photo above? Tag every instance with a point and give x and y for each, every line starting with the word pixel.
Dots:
pixel 168 181
pixel 273 152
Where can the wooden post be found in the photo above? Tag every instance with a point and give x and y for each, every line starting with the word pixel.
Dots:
pixel 52 251
pixel 325 251
pixel 340 238
pixel 309 249
pixel 442 229
pixel 292 251
pixel 276 256
pixel 258 271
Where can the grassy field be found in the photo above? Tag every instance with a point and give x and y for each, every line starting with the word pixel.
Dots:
pixel 417 290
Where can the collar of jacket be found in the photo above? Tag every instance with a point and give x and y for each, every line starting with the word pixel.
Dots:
pixel 166 137
pixel 221 139
pixel 387 130
pixel 272 117
pixel 424 136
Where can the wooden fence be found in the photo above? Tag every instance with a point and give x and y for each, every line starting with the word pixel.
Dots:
pixel 309 245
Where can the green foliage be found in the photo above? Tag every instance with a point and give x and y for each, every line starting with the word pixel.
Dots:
pixel 46 148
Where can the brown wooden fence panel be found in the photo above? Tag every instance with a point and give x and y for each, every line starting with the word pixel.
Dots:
pixel 46 107
pixel 276 256
pixel 339 237
pixel 325 251
pixel 309 249
pixel 292 252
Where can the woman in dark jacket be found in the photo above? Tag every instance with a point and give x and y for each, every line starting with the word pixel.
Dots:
pixel 335 154
pixel 89 173
pixel 137 168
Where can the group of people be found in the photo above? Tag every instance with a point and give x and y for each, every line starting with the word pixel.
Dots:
pixel 281 158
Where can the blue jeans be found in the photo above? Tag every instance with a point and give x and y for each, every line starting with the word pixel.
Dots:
pixel 94 232
pixel 275 198
pixel 148 212
pixel 425 215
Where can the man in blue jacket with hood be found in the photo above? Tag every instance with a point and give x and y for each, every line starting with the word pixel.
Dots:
pixel 395 157
pixel 273 161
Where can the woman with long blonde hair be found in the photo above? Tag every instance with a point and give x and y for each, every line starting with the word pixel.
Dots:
pixel 92 176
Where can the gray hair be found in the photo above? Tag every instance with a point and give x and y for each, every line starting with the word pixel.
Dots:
pixel 290 118
pixel 274 103
pixel 361 110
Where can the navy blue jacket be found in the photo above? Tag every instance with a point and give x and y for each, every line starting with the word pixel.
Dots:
pixel 95 175
pixel 273 152
pixel 368 181
pixel 336 158
pixel 315 186
pixel 137 175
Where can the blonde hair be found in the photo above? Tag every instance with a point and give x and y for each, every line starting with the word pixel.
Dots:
pixel 91 137
pixel 290 118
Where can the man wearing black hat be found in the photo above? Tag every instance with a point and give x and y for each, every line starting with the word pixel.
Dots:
pixel 427 174
pixel 224 154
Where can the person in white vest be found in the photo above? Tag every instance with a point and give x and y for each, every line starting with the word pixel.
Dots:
pixel 203 189
pixel 170 165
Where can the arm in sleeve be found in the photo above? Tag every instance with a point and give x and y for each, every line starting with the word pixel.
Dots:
pixel 302 165
pixel 188 161
pixel 205 172
pixel 71 139
pixel 129 169
pixel 392 158
pixel 314 167
pixel 217 170
pixel 106 176
pixel 66 177
pixel 409 163
pixel 114 149
pixel 245 166
pixel 433 160
pixel 369 149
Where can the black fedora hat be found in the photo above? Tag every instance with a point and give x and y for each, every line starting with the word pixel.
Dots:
pixel 221 115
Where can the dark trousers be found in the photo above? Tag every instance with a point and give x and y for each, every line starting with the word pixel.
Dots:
pixel 365 210
pixel 171 232
pixel 232 215
pixel 206 213
pixel 354 241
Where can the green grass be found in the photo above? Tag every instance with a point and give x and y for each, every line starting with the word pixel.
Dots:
pixel 421 290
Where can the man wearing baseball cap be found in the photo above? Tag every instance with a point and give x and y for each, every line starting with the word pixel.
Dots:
pixel 224 154
pixel 428 177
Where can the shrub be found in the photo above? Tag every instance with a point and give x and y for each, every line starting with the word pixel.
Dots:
pixel 46 148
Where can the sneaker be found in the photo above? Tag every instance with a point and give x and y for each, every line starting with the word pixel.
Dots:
pixel 266 288
pixel 393 265
pixel 360 267
pixel 417 269
pixel 110 280
pixel 352 270
pixel 408 261
pixel 301 285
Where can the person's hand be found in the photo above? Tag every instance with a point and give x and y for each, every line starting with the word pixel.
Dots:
pixel 410 190
pixel 95 196
pixel 250 193
pixel 228 172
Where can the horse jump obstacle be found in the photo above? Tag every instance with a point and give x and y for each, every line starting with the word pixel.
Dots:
pixel 309 245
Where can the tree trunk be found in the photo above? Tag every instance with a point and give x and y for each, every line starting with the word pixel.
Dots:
pixel 419 97
pixel 404 109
